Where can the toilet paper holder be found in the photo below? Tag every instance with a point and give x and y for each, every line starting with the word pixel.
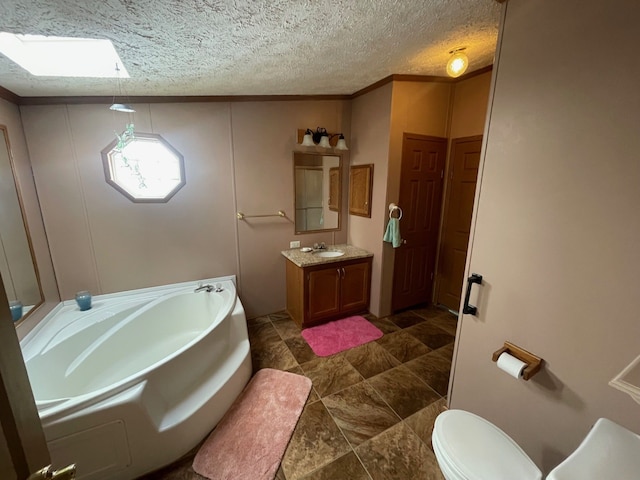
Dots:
pixel 534 363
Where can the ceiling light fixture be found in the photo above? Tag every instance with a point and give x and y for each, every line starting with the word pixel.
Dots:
pixel 458 62
pixel 120 107
pixel 321 138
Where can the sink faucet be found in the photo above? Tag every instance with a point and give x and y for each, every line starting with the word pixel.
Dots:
pixel 319 246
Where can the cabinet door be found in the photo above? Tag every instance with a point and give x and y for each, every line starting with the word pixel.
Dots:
pixel 355 287
pixel 323 293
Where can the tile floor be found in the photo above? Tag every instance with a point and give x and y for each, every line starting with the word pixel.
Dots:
pixel 371 410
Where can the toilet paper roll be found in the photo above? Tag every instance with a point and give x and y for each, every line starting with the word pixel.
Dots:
pixel 511 365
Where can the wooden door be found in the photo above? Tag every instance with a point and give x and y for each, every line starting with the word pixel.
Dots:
pixel 463 174
pixel 422 169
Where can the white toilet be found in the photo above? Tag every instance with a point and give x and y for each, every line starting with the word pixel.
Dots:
pixel 468 447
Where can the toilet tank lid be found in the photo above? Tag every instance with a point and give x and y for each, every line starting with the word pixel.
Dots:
pixel 480 450
pixel 608 451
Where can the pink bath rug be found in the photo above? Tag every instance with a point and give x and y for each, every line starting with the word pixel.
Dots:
pixel 251 438
pixel 340 335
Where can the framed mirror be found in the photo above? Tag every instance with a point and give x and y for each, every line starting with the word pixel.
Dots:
pixel 317 187
pixel 17 263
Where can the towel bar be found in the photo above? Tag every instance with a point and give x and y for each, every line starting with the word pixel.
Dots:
pixel 242 216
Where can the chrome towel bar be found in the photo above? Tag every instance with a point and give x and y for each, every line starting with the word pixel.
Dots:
pixel 242 216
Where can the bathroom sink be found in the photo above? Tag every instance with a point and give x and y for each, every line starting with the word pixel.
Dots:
pixel 330 254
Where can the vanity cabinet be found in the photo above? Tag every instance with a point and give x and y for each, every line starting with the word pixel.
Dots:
pixel 327 291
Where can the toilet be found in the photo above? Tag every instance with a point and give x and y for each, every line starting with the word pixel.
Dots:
pixel 468 447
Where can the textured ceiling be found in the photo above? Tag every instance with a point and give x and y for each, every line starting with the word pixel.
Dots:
pixel 260 47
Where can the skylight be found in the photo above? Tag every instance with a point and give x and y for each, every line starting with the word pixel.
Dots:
pixel 62 56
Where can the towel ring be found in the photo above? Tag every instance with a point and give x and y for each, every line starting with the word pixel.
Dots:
pixel 392 207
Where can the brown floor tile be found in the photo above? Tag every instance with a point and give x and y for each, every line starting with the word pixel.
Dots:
pixel 422 422
pixel 433 369
pixel 431 335
pixel 331 374
pixel 370 359
pixel 287 328
pixel 279 316
pixel 261 334
pixel 403 391
pixel 345 467
pixel 398 453
pixel 403 346
pixel 272 355
pixel 300 349
pixel 431 311
pixel 258 320
pixel 384 325
pixel 447 322
pixel 360 412
pixel 446 351
pixel 405 319
pixel 315 442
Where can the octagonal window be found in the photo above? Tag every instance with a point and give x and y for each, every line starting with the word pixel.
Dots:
pixel 144 168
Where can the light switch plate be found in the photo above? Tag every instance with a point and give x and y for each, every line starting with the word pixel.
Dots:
pixel 294 244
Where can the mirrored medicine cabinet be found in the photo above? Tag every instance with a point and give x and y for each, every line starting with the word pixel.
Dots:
pixel 317 190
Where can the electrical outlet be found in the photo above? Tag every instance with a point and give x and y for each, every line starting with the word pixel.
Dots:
pixel 294 244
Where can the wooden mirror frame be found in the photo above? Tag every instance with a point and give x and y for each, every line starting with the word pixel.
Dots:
pixel 360 189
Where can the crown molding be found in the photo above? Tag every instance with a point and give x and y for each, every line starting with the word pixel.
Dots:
pixel 107 100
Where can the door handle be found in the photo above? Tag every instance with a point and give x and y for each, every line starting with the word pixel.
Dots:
pixel 470 309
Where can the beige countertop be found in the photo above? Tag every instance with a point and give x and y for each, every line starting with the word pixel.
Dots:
pixel 307 259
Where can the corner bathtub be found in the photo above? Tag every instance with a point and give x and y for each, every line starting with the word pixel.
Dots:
pixel 140 379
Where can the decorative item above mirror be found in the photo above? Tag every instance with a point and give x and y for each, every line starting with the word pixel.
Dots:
pixel 317 187
pixel 17 263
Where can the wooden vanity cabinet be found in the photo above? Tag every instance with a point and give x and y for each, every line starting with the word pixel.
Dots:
pixel 319 293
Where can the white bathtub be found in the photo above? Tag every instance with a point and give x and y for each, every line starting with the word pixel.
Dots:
pixel 137 381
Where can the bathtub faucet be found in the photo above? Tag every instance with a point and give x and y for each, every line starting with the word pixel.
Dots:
pixel 208 288
pixel 204 288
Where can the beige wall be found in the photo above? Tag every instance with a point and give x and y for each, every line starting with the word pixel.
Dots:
pixel 470 98
pixel 264 135
pixel 557 227
pixel 370 127
pixel 10 116
pixel 238 156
